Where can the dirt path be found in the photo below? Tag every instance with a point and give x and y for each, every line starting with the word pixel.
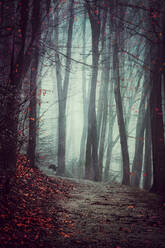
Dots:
pixel 102 215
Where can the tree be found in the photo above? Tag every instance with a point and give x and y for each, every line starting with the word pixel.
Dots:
pixel 92 138
pixel 139 143
pixel 119 109
pixel 22 40
pixel 110 141
pixel 85 101
pixel 157 128
pixel 103 96
pixel 62 88
pixel 31 150
pixel 148 151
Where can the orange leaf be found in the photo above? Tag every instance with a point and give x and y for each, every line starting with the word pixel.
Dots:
pixel 130 206
pixel 65 234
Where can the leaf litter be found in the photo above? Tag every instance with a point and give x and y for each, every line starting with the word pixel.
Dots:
pixel 28 215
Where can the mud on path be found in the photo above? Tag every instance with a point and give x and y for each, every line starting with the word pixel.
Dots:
pixel 104 215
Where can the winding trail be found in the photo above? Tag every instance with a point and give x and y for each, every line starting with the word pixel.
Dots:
pixel 117 216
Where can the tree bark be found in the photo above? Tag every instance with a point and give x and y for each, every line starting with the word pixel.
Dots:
pixel 62 88
pixel 157 134
pixel 20 59
pixel 148 151
pixel 120 118
pixel 85 105
pixel 33 112
pixel 157 128
pixel 139 143
pixel 92 139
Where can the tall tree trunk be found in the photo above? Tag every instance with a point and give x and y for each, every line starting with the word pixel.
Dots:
pixel 109 149
pixel 62 89
pixel 102 142
pixel 157 133
pixel 163 71
pixel 19 60
pixel 85 104
pixel 92 142
pixel 61 140
pixel 148 151
pixel 104 109
pixel 120 117
pixel 111 122
pixel 139 143
pixel 157 128
pixel 103 95
pixel 92 145
pixel 11 108
pixel 33 112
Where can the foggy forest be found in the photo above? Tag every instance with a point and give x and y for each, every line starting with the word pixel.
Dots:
pixel 82 123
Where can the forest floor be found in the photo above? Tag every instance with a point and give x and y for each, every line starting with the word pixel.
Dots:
pixel 117 216
pixel 44 211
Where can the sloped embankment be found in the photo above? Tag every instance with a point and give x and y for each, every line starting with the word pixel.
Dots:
pixel 28 214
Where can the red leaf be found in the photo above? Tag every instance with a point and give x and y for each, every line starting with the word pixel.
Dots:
pixel 37 236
